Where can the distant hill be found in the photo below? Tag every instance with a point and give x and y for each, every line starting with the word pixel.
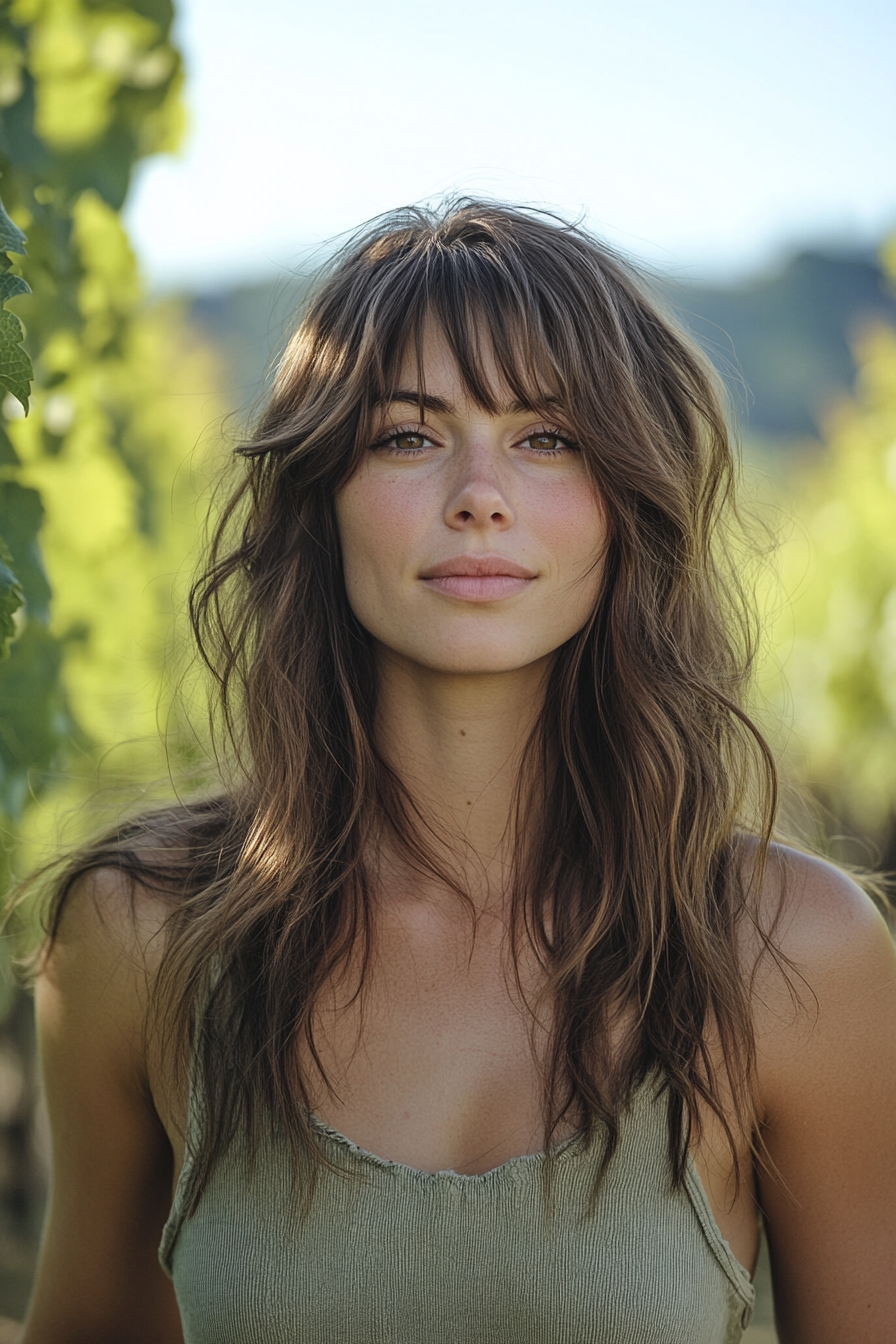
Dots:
pixel 781 340
pixel 250 324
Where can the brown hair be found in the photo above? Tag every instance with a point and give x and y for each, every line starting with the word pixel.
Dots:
pixel 636 873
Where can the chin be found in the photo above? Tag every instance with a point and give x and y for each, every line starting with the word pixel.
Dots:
pixel 477 658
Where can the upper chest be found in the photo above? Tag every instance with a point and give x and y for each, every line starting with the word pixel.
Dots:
pixel 433 1055
pixel 436 1057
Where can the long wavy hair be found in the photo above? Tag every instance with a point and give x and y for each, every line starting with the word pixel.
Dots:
pixel 640 851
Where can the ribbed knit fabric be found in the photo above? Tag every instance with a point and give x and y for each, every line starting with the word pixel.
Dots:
pixel 392 1255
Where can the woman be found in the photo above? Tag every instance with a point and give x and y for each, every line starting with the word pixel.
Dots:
pixel 478 1006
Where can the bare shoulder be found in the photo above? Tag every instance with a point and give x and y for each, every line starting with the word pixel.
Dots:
pixel 99 967
pixel 815 907
pixel 828 931
pixel 833 957
pixel 111 1153
pixel 110 909
pixel 110 926
pixel 825 1015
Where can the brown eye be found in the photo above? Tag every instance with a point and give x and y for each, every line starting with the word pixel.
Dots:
pixel 409 442
pixel 546 442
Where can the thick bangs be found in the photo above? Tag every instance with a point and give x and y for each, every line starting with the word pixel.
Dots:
pixel 566 323
pixel 489 320
pixel 478 294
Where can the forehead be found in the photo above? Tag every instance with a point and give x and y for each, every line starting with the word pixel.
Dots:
pixel 431 362
pixel 433 367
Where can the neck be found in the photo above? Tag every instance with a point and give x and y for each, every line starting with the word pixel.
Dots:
pixel 456 742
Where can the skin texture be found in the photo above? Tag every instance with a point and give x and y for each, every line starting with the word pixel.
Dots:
pixel 466 483
pixel 440 1072
pixel 460 681
pixel 113 1162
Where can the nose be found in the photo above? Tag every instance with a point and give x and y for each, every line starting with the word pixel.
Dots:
pixel 478 497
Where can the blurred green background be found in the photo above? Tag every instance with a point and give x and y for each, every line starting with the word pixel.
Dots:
pixel 134 404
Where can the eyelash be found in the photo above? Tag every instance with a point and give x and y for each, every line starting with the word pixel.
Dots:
pixel 385 439
pixel 557 433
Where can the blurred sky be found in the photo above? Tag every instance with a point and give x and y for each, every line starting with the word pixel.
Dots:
pixel 699 135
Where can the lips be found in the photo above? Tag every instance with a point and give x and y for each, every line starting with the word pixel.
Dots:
pixel 478 578
pixel 478 567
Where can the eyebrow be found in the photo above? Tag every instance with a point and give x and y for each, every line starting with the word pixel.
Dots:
pixel 406 396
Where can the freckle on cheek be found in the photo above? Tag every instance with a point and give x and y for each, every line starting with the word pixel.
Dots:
pixel 393 512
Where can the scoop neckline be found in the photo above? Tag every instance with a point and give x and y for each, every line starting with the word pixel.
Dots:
pixel 512 1164
pixel 737 1273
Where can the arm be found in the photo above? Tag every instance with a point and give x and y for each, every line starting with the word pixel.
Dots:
pixel 98 1278
pixel 827 1076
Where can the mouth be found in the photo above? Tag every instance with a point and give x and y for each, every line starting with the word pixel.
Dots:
pixel 478 578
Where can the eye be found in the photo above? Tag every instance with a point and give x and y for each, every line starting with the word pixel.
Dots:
pixel 404 442
pixel 548 443
pixel 409 442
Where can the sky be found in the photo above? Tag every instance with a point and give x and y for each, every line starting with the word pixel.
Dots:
pixel 702 137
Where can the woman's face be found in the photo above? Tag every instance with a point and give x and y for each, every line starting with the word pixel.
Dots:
pixel 471 543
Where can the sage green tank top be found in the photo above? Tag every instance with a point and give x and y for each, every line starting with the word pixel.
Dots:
pixel 393 1255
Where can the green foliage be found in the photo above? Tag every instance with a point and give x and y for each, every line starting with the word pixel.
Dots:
pixel 15 366
pixel 11 599
pixel 15 377
pixel 87 89
pixel 97 494
pixel 836 641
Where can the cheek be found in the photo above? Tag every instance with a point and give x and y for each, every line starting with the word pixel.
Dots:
pixel 378 520
pixel 570 522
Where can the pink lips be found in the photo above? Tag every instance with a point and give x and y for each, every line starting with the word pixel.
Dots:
pixel 478 578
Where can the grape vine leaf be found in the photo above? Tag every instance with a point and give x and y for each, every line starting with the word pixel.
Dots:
pixel 12 239
pixel 11 598
pixel 15 366
pixel 11 285
pixel 21 519
pixel 16 372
